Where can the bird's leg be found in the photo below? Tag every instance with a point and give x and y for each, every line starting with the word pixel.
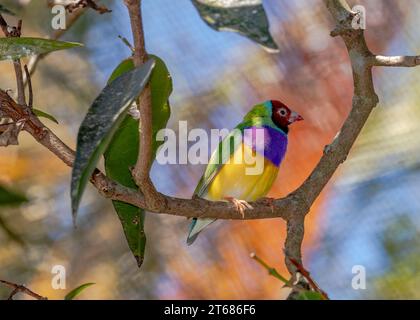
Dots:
pixel 240 205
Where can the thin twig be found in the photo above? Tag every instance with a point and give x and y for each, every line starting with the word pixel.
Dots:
pixel 134 11
pixel 396 61
pixel 308 277
pixel 87 4
pixel 31 94
pixel 34 60
pixel 141 171
pixel 127 43
pixel 19 80
pixel 20 288
pixel 48 139
pixel 271 271
pixel 13 293
pixel 15 32
pixel 296 287
pixel 19 27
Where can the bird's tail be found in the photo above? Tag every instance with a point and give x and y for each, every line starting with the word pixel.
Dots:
pixel 197 225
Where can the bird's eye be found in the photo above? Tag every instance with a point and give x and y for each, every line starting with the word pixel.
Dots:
pixel 283 112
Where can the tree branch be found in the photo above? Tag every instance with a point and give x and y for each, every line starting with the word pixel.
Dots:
pixel 364 100
pixel 87 3
pixel 20 288
pixel 19 82
pixel 48 139
pixel 396 61
pixel 10 33
pixel 31 93
pixel 141 171
pixel 134 11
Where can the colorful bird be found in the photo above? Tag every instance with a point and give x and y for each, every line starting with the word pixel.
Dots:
pixel 228 175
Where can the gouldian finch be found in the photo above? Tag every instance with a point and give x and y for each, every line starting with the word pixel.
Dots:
pixel 226 178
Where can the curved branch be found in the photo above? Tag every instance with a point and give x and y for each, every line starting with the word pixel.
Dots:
pixel 364 100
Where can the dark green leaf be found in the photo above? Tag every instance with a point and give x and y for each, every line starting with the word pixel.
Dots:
pixel 310 295
pixel 77 291
pixel 3 9
pixel 43 114
pixel 16 48
pixel 102 120
pixel 123 150
pixel 247 17
pixel 8 197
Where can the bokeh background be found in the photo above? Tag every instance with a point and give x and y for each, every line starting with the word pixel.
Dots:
pixel 368 215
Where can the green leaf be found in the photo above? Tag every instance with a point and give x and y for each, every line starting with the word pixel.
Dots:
pixel 43 114
pixel 9 198
pixel 123 151
pixel 247 17
pixel 124 67
pixel 120 155
pixel 16 48
pixel 77 291
pixel 3 9
pixel 100 124
pixel 310 295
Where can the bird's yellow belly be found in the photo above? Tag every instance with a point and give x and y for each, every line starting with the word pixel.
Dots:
pixel 233 180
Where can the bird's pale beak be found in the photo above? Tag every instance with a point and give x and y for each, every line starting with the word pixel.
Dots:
pixel 294 117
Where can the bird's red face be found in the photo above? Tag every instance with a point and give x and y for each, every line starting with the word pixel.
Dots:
pixel 282 116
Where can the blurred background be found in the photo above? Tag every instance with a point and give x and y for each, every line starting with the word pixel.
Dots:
pixel 368 215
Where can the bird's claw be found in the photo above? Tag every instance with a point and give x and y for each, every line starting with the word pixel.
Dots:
pixel 240 205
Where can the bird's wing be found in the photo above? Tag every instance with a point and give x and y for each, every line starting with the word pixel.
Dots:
pixel 220 156
pixel 218 159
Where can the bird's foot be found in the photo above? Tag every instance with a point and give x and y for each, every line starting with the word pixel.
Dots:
pixel 240 205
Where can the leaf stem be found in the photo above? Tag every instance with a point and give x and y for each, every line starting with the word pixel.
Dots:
pixel 271 271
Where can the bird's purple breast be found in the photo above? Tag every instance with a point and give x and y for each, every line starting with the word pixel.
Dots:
pixel 273 146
